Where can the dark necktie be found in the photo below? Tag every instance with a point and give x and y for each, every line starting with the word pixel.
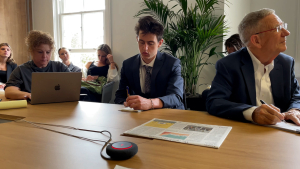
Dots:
pixel 147 79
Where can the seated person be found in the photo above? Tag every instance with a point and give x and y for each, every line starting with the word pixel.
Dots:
pixel 105 66
pixel 257 72
pixel 154 78
pixel 7 63
pixel 233 43
pixel 40 46
pixel 63 54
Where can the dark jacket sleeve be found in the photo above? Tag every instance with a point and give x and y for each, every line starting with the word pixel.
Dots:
pixel 174 92
pixel 121 93
pixel 295 93
pixel 10 68
pixel 219 101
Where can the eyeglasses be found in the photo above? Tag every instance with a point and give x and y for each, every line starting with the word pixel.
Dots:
pixel 278 28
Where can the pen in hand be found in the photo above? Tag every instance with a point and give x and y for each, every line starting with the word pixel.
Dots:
pixel 263 102
pixel 127 89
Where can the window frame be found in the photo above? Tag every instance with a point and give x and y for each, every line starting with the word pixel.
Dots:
pixel 57 24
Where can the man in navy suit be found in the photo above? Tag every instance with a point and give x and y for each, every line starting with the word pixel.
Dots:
pixel 257 72
pixel 153 78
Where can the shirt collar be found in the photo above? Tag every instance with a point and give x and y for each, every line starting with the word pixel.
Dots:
pixel 149 64
pixel 257 64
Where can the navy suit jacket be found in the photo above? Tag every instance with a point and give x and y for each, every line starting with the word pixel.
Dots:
pixel 233 88
pixel 166 80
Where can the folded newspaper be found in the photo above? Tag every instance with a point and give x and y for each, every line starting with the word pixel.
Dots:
pixel 182 132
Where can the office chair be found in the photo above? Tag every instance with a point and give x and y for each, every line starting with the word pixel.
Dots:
pixel 107 92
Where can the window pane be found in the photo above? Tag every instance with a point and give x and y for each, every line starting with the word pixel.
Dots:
pixel 81 59
pixel 93 29
pixel 90 5
pixel 72 6
pixel 71 31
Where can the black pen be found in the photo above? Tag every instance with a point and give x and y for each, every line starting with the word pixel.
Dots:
pixel 127 89
pixel 263 102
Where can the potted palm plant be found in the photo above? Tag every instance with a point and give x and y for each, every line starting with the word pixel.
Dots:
pixel 191 34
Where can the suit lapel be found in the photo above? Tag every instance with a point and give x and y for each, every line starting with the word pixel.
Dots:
pixel 136 74
pixel 248 73
pixel 276 78
pixel 156 68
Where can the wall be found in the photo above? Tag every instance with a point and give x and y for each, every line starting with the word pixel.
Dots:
pixel 235 10
pixel 42 15
pixel 13 27
pixel 124 44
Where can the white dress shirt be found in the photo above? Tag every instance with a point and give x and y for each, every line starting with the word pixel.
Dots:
pixel 262 84
pixel 143 72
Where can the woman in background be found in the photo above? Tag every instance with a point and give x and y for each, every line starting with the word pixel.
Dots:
pixel 233 43
pixel 40 46
pixel 7 63
pixel 105 66
pixel 65 57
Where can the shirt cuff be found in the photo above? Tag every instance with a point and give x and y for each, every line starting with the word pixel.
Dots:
pixel 248 113
pixel 112 75
pixel 294 109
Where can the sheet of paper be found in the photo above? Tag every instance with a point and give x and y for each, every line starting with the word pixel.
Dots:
pixel 128 109
pixel 287 126
pixel 120 167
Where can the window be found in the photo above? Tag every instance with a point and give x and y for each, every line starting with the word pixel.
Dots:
pixel 81 26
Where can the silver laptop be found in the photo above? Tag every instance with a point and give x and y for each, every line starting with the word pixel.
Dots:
pixel 49 87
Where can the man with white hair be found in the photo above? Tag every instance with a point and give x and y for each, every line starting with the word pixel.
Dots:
pixel 257 83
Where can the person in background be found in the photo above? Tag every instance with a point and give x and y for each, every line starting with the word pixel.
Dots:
pixel 233 43
pixel 7 63
pixel 153 78
pixel 63 54
pixel 40 46
pixel 105 66
pixel 257 83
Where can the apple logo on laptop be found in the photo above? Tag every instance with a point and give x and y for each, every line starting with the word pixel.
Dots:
pixel 57 87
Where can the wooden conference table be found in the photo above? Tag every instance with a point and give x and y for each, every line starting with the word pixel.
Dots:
pixel 247 145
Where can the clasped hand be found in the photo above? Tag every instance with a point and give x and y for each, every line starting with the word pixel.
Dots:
pixel 90 78
pixel 110 58
pixel 268 114
pixel 138 103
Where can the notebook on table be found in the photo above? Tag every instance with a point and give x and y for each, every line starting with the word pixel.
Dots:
pixel 50 87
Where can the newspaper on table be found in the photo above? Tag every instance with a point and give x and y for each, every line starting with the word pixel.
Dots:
pixel 182 132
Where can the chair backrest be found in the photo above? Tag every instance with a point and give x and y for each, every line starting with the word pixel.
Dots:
pixel 107 92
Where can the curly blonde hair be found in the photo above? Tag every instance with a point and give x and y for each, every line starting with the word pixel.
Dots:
pixel 10 59
pixel 35 38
